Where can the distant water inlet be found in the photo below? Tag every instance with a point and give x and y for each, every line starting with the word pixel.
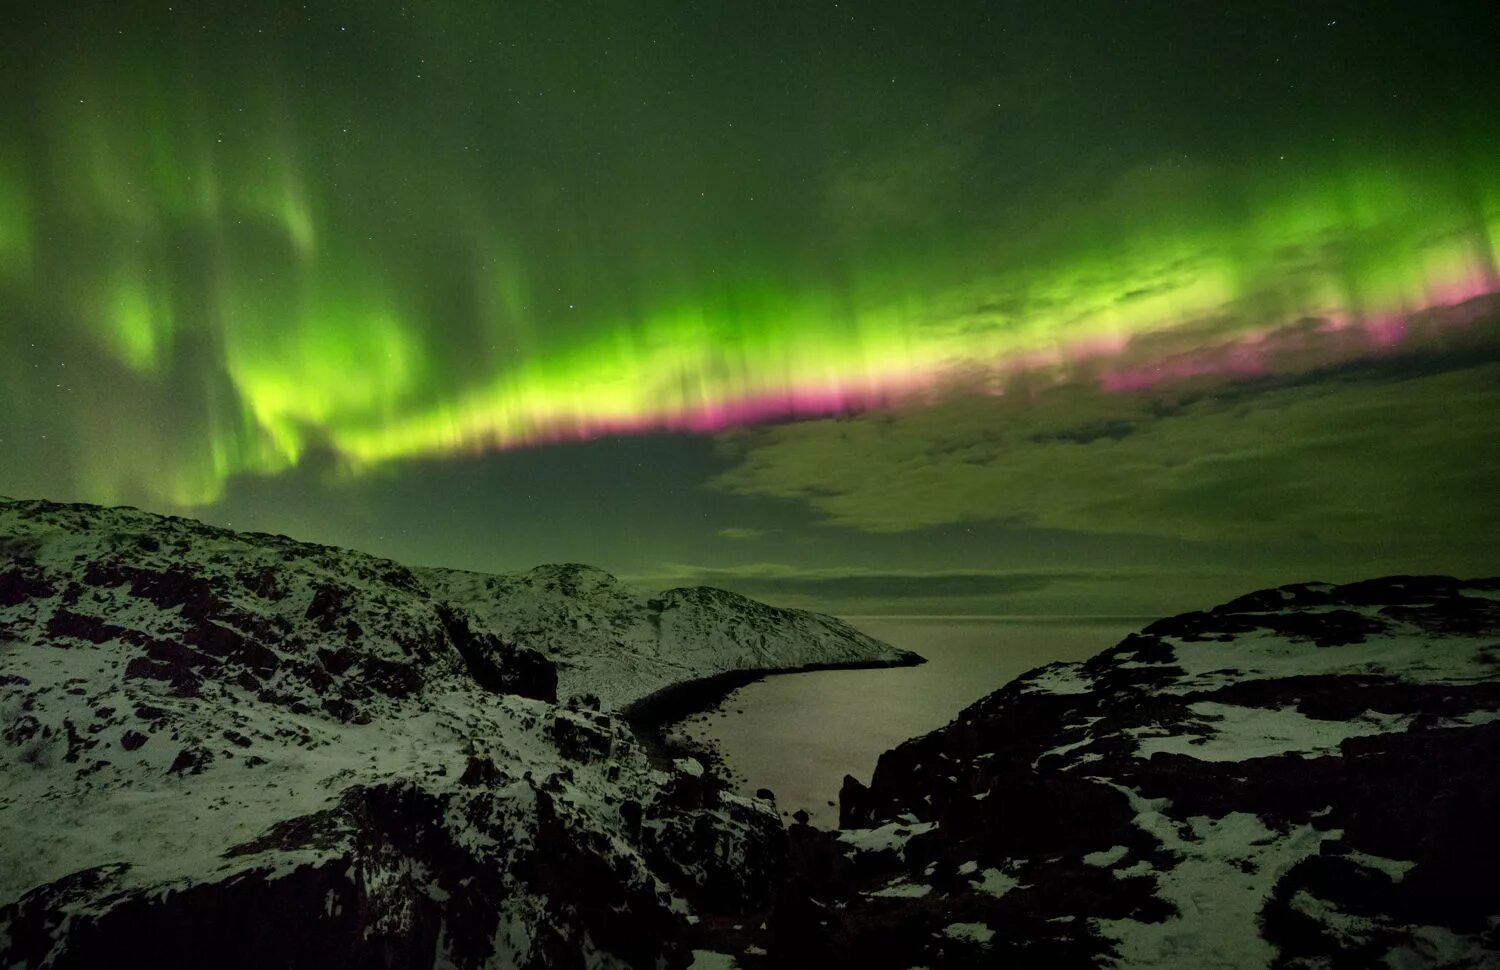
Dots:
pixel 799 734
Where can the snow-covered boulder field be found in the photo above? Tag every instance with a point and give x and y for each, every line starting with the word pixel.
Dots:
pixel 1303 777
pixel 237 750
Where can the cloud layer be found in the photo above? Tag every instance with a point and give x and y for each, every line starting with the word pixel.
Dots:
pixel 1399 455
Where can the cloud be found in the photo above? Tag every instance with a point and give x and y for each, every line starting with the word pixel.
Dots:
pixel 736 532
pixel 776 578
pixel 866 590
pixel 1395 457
pixel 1118 591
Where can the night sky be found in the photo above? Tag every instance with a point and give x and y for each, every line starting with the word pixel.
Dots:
pixel 949 307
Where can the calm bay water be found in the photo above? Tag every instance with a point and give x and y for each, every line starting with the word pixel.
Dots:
pixel 799 734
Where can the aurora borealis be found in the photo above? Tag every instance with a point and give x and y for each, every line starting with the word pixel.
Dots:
pixel 271 263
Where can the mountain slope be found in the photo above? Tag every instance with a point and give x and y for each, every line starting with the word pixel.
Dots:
pixel 622 645
pixel 220 749
pixel 1303 777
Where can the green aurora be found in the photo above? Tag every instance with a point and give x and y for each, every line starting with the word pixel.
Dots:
pixel 238 243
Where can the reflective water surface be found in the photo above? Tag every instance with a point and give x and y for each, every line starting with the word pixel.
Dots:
pixel 799 734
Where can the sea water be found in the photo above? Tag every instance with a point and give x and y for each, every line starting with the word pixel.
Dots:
pixel 799 734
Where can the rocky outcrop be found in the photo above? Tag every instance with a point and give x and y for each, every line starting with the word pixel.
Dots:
pixel 220 749
pixel 1303 777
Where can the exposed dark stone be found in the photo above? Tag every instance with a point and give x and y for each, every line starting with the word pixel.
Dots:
pixel 480 771
pixel 168 589
pixel 336 661
pixel 182 680
pixel 1325 628
pixel 1463 616
pixel 497 666
pixel 149 712
pixel 19 582
pixel 569 870
pixel 1296 596
pixel 327 608
pixel 191 760
pixel 310 916
pixel 390 677
pixel 630 811
pixel 720 868
pixel 264 582
pixel 854 807
pixel 66 623
pixel 581 740
pixel 583 702
pixel 340 709
pixel 131 740
pixel 528 673
pixel 223 643
pixel 77 743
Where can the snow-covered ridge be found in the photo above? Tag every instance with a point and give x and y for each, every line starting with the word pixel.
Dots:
pixel 1302 777
pixel 603 637
pixel 226 749
pixel 623 645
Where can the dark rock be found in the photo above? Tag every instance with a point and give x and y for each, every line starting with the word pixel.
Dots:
pixel 855 809
pixel 528 673
pixel 77 743
pixel 225 644
pixel 727 858
pixel 497 666
pixel 328 607
pixel 580 739
pixel 66 623
pixel 480 771
pixel 190 761
pixel 20 582
pixel 183 681
pixel 583 702
pixel 630 811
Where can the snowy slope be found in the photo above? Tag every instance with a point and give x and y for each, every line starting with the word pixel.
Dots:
pixel 220 749
pixel 1304 777
pixel 624 645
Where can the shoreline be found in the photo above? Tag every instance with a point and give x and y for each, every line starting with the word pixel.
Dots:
pixel 677 701
pixel 652 716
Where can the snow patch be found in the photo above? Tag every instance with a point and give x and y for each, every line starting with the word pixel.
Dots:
pixel 1106 857
pixel 1058 679
pixel 1227 870
pixel 901 890
pixel 977 933
pixel 888 837
pixel 1237 733
pixel 996 883
pixel 1415 657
